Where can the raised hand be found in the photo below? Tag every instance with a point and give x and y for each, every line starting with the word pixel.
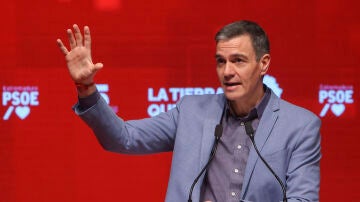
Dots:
pixel 79 62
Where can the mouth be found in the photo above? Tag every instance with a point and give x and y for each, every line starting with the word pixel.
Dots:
pixel 229 84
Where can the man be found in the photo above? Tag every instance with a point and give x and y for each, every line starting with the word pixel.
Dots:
pixel 287 136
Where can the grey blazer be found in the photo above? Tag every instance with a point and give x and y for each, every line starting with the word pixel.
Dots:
pixel 287 136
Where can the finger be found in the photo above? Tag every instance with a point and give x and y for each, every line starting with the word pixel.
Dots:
pixel 63 49
pixel 87 37
pixel 71 38
pixel 78 35
pixel 98 66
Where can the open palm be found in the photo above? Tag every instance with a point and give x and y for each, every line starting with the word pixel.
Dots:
pixel 79 62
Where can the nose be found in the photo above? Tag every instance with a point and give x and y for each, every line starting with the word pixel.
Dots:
pixel 229 71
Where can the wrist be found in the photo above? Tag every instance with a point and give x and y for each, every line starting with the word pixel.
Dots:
pixel 85 90
pixel 81 86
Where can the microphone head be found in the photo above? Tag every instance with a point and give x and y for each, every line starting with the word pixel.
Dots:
pixel 218 131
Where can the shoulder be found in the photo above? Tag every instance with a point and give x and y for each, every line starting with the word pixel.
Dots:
pixel 296 113
pixel 290 112
pixel 204 107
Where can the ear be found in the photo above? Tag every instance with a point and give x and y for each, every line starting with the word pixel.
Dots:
pixel 264 64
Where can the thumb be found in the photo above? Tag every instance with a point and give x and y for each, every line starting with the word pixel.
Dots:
pixel 98 66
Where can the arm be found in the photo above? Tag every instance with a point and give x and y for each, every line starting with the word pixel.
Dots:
pixel 79 62
pixel 303 176
pixel 141 136
pixel 150 135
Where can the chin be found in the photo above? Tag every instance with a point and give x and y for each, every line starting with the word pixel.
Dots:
pixel 232 96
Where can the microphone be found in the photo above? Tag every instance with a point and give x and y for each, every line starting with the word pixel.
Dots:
pixel 218 134
pixel 250 132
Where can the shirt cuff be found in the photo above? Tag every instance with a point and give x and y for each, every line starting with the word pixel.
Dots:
pixel 89 101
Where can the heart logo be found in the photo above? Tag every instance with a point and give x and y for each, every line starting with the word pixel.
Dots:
pixel 22 112
pixel 338 109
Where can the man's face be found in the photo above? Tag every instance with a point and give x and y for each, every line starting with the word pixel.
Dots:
pixel 239 73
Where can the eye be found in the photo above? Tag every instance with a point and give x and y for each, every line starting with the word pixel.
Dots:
pixel 237 60
pixel 220 61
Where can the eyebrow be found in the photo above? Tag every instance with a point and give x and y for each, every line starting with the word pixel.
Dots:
pixel 232 56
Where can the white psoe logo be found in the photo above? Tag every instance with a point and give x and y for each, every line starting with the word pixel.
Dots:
pixel 335 98
pixel 18 99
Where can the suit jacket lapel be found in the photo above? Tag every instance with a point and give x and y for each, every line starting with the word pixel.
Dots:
pixel 212 118
pixel 262 133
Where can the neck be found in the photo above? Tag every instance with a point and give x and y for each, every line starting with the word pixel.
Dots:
pixel 244 106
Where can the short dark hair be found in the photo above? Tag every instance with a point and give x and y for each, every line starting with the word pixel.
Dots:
pixel 257 35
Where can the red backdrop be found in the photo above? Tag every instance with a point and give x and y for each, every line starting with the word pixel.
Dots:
pixel 48 154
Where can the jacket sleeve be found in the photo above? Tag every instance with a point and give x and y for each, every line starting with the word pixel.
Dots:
pixel 303 176
pixel 150 135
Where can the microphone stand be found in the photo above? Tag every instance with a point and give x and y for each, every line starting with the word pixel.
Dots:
pixel 250 131
pixel 218 133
